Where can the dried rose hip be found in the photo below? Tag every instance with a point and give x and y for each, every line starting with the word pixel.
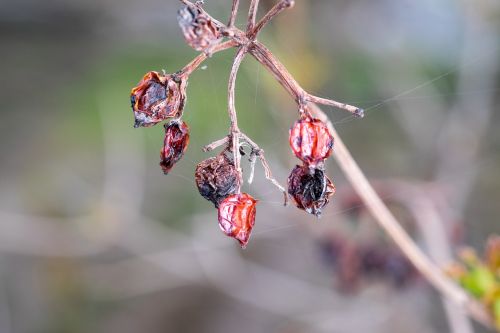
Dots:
pixel 199 30
pixel 216 178
pixel 174 145
pixel 311 141
pixel 310 189
pixel 156 98
pixel 237 216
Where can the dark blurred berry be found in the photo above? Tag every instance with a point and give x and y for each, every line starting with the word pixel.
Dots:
pixel 310 189
pixel 399 269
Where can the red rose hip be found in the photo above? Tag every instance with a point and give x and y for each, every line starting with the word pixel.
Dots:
pixel 310 189
pixel 237 217
pixel 156 98
pixel 174 145
pixel 311 141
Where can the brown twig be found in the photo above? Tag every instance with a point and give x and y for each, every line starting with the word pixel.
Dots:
pixel 283 76
pixel 234 13
pixel 196 62
pixel 235 131
pixel 252 14
pixel 275 11
pixel 388 222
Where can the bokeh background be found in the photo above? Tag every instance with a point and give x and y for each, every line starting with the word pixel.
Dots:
pixel 94 238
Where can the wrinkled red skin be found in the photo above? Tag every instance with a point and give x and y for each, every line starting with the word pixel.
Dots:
pixel 310 189
pixel 311 141
pixel 156 98
pixel 199 30
pixel 174 145
pixel 237 217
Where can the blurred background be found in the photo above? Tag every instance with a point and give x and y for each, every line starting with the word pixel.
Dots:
pixel 94 238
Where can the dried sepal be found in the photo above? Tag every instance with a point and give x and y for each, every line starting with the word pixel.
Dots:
pixel 198 28
pixel 174 144
pixel 156 98
pixel 310 189
pixel 237 217
pixel 311 140
pixel 217 178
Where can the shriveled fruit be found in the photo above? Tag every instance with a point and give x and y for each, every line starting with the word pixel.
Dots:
pixel 217 178
pixel 237 216
pixel 156 98
pixel 311 141
pixel 198 28
pixel 310 189
pixel 174 145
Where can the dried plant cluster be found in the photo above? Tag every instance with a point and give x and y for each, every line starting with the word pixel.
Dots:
pixel 162 97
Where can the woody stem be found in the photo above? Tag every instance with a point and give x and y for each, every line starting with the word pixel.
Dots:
pixel 234 13
pixel 196 62
pixel 235 131
pixel 252 14
pixel 275 11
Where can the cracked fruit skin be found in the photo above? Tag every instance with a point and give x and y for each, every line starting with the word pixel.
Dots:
pixel 175 144
pixel 311 141
pixel 310 189
pixel 156 98
pixel 237 217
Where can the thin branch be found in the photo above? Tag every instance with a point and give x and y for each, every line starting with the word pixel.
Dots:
pixel 235 131
pixel 388 222
pixel 252 14
pixel 283 76
pixel 259 152
pixel 216 144
pixel 196 62
pixel 275 11
pixel 358 112
pixel 234 13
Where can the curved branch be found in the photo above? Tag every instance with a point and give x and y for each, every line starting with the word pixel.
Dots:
pixel 388 222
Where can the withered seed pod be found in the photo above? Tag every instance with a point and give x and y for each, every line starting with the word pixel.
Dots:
pixel 311 141
pixel 156 98
pixel 199 30
pixel 237 216
pixel 174 145
pixel 216 178
pixel 310 189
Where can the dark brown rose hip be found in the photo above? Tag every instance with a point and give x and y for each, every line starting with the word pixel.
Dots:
pixel 174 145
pixel 156 98
pixel 310 189
pixel 217 178
pixel 199 30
